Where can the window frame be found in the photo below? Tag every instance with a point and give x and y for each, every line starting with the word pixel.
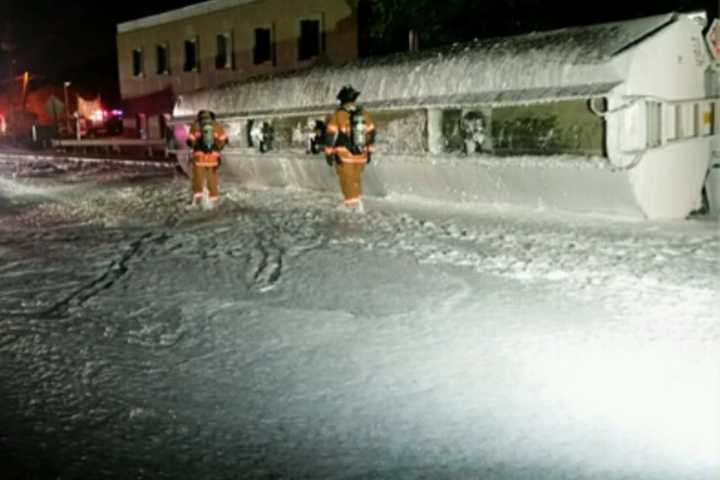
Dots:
pixel 271 56
pixel 321 43
pixel 229 63
pixel 138 62
pixel 165 47
pixel 196 66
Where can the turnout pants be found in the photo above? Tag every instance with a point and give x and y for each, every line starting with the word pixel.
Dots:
pixel 350 175
pixel 205 176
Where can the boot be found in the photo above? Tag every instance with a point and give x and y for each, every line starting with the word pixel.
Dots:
pixel 211 203
pixel 195 202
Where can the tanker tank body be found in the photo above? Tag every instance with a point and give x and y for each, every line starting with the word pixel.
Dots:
pixel 603 119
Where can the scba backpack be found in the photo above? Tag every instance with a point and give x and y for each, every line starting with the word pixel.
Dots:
pixel 358 135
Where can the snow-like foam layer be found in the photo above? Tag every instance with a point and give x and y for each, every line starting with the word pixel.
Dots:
pixel 278 335
pixel 568 63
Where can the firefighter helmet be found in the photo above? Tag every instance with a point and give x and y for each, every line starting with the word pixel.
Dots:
pixel 205 117
pixel 347 94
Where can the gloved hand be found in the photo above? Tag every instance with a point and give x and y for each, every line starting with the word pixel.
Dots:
pixel 330 160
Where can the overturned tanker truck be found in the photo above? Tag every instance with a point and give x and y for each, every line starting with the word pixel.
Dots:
pixel 618 119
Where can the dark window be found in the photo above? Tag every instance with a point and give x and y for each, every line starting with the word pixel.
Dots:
pixel 263 46
pixel 310 40
pixel 137 62
pixel 162 59
pixel 191 56
pixel 224 54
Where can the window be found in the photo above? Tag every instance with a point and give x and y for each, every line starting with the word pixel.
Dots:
pixel 310 42
pixel 224 51
pixel 263 50
pixel 137 62
pixel 161 54
pixel 191 55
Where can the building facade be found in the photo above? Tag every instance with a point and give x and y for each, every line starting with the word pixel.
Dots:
pixel 214 42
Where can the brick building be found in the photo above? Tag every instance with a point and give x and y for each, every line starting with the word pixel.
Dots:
pixel 213 42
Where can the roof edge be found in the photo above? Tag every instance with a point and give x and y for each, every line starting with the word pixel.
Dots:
pixel 178 14
pixel 668 19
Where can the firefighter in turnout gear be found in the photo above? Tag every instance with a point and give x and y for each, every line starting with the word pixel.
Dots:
pixel 349 144
pixel 207 139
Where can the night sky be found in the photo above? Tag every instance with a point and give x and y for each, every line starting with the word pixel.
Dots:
pixel 71 40
pixel 76 40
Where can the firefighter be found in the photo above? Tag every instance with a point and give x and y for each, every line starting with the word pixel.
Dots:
pixel 349 143
pixel 207 139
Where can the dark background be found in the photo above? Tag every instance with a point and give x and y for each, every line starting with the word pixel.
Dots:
pixel 75 41
pixel 446 21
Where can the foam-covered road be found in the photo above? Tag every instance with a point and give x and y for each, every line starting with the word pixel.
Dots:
pixel 280 337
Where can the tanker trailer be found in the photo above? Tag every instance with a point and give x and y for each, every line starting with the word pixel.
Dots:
pixel 612 119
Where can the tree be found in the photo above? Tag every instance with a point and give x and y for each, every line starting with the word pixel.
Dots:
pixel 391 20
pixel 386 23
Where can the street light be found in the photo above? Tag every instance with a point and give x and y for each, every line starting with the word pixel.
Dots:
pixel 25 77
pixel 67 107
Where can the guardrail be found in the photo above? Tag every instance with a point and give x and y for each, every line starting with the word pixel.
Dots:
pixel 114 144
pixel 18 158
